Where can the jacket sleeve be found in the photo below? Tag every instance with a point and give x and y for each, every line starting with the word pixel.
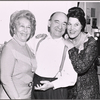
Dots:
pixel 66 80
pixel 68 75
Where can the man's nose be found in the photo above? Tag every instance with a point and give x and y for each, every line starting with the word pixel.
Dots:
pixel 59 26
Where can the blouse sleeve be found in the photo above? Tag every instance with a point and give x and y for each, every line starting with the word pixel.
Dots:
pixel 68 75
pixel 67 79
pixel 82 61
pixel 7 68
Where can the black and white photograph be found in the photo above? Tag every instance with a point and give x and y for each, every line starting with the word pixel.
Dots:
pixel 50 50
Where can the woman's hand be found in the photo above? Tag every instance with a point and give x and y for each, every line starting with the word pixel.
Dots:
pixel 46 85
pixel 2 46
pixel 69 44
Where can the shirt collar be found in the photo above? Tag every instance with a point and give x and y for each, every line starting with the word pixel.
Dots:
pixel 56 40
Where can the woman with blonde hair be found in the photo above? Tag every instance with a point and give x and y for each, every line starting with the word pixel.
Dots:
pixel 18 62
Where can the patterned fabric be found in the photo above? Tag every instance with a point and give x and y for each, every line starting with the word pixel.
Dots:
pixel 87 86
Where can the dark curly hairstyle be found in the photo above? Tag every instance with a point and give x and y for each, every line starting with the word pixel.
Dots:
pixel 22 13
pixel 78 13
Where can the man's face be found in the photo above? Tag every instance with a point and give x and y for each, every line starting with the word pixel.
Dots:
pixel 58 25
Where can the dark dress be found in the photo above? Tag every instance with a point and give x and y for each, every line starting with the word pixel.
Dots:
pixel 87 85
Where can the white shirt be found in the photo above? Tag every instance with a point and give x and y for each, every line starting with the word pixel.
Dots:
pixel 49 56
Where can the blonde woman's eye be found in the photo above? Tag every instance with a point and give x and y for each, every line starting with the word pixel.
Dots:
pixel 21 26
pixel 29 27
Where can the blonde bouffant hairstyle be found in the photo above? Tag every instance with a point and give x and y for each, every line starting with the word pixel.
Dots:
pixel 19 14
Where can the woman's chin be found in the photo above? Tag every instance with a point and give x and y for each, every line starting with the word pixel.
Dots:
pixel 71 37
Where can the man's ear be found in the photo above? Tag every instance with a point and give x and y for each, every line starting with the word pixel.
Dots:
pixel 49 23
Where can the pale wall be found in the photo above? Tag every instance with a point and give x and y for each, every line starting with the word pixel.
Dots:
pixel 41 9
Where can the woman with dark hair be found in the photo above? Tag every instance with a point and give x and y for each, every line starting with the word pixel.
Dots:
pixel 83 56
pixel 18 63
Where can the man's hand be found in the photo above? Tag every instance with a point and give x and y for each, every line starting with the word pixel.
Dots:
pixel 46 85
pixel 1 46
pixel 41 36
